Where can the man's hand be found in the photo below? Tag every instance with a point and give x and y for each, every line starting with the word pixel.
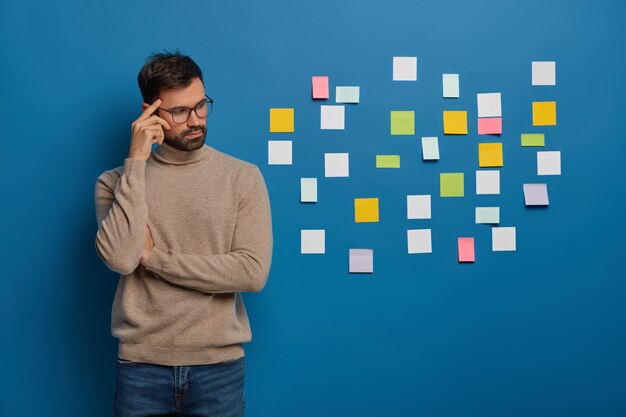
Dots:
pixel 146 130
pixel 147 249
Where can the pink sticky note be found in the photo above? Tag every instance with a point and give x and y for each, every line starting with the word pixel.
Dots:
pixel 320 87
pixel 466 249
pixel 490 126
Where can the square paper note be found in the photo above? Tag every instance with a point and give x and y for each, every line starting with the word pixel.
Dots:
pixel 451 184
pixel 365 210
pixel 488 181
pixel 454 122
pixel 312 241
pixel 536 194
pixel 404 68
pixel 544 113
pixel 490 155
pixel 279 152
pixel 332 117
pixel 549 163
pixel 418 206
pixel 402 122
pixel 489 105
pixel 430 148
pixel 544 73
pixel 281 120
pixel 361 261
pixel 336 165
pixel 502 239
pixel 419 241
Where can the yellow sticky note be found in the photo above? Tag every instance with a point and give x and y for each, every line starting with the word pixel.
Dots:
pixel 455 122
pixel 281 120
pixel 365 210
pixel 544 113
pixel 490 155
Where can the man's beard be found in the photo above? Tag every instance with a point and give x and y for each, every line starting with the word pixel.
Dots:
pixel 187 144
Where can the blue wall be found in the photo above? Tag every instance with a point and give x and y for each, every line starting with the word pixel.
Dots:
pixel 536 332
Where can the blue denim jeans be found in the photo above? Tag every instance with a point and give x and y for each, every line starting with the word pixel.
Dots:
pixel 214 390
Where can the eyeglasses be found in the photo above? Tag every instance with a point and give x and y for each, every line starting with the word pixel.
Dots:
pixel 181 114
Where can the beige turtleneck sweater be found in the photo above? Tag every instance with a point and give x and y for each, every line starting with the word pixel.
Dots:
pixel 209 216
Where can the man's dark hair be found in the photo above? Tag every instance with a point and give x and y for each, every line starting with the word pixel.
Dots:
pixel 165 70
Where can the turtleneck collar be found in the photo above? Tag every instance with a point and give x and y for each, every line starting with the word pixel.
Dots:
pixel 167 154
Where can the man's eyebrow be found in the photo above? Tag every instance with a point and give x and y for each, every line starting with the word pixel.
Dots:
pixel 183 107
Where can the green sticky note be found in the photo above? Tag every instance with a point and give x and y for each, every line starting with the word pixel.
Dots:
pixel 487 215
pixel 387 161
pixel 451 184
pixel 308 190
pixel 402 122
pixel 347 94
pixel 533 139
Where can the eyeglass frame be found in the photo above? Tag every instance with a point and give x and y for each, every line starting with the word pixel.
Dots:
pixel 207 99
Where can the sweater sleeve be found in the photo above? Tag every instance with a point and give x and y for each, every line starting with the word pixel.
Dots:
pixel 122 215
pixel 246 267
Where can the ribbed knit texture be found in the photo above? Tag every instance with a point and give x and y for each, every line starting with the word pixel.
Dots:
pixel 209 216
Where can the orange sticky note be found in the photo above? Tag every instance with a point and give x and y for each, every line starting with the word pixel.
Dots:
pixel 365 210
pixel 320 87
pixel 281 120
pixel 455 122
pixel 466 249
pixel 544 113
pixel 490 126
pixel 490 155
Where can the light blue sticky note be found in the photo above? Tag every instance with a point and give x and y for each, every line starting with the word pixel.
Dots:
pixel 347 94
pixel 451 85
pixel 430 148
pixel 308 190
pixel 487 215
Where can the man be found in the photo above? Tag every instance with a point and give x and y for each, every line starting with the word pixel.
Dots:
pixel 189 229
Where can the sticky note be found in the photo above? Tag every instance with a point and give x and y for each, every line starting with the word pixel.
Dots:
pixel 533 139
pixel 544 73
pixel 430 148
pixel 347 94
pixel 279 152
pixel 404 68
pixel 281 120
pixel 451 184
pixel 419 241
pixel 490 126
pixel 332 117
pixel 489 104
pixel 308 190
pixel 402 122
pixel 549 163
pixel 320 87
pixel 387 161
pixel 454 122
pixel 502 239
pixel 336 165
pixel 418 206
pixel 365 210
pixel 488 181
pixel 544 113
pixel 313 241
pixel 487 215
pixel 450 85
pixel 490 155
pixel 361 261
pixel 536 194
pixel 466 249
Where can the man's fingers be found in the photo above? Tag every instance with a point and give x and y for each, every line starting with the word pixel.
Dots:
pixel 150 109
pixel 153 120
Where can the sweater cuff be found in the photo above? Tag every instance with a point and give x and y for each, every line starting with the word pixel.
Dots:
pixel 132 166
pixel 157 261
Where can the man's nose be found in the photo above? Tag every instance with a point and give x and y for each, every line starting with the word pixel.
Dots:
pixel 193 120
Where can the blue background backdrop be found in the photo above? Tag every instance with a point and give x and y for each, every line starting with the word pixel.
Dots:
pixel 537 332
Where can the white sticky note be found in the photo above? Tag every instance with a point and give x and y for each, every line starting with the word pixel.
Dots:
pixel 404 68
pixel 361 261
pixel 487 215
pixel 279 152
pixel 503 239
pixel 308 190
pixel 418 206
pixel 536 194
pixel 419 241
pixel 549 163
pixel 430 148
pixel 347 94
pixel 451 85
pixel 489 104
pixel 488 181
pixel 544 73
pixel 332 117
pixel 312 241
pixel 337 165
